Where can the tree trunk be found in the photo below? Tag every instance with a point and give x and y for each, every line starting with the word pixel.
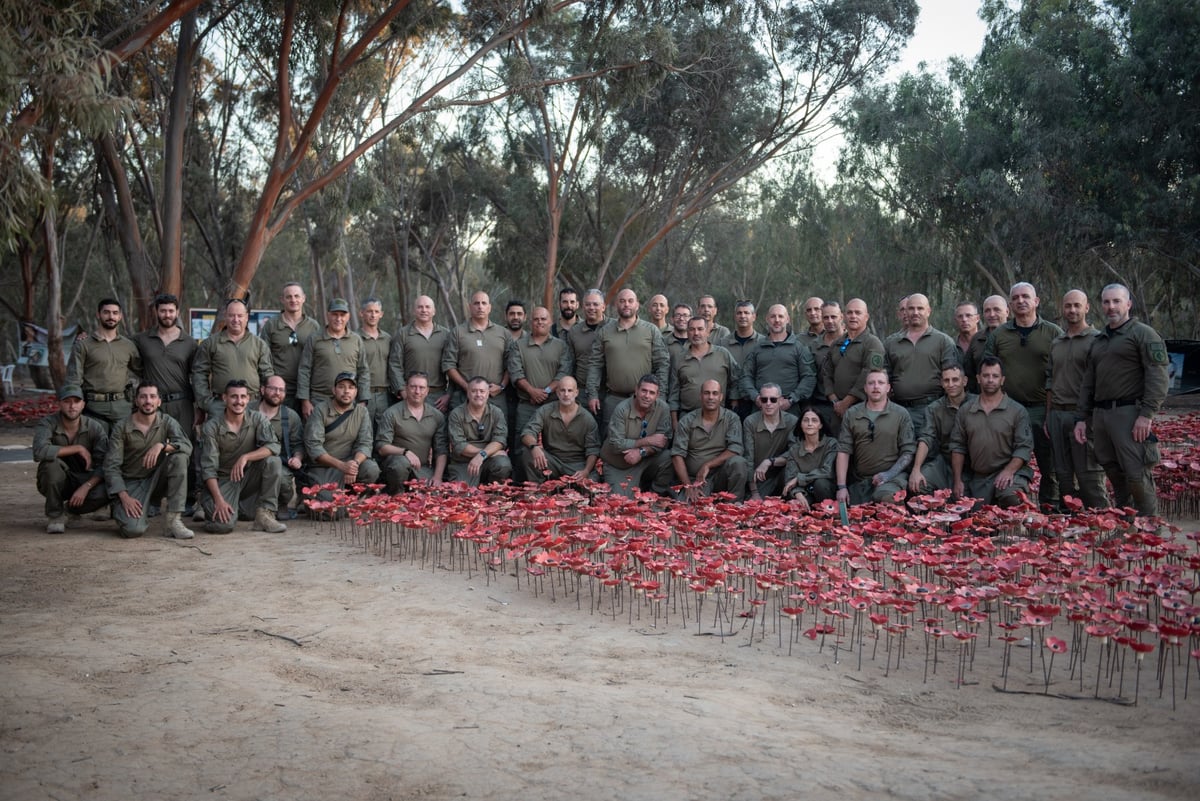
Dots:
pixel 171 264
pixel 122 216
pixel 54 341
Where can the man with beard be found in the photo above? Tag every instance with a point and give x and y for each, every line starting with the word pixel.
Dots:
pixel 625 350
pixel 411 438
pixel 514 321
pixel 239 464
pixel 69 449
pixel 707 450
pixel 677 336
pixel 147 460
pixel 931 468
pixel 288 429
pixel 231 354
pixel 875 446
pixel 420 347
pixel 1075 465
pixel 1023 346
pixel 568 312
pixel 102 364
pixel 338 438
pixel 991 433
pixel 285 336
pixel 780 358
pixel 1124 386
pixel 562 439
pixel 844 373
pixel 636 452
pixel 327 355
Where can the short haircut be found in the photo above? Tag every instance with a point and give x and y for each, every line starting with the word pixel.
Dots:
pixel 165 299
pixel 679 306
pixel 514 302
pixel 147 384
pixel 109 302
pixel 237 383
pixel 369 301
pixel 970 303
pixel 567 290
pixel 831 304
pixel 478 379
pixel 991 361
pixel 596 292
pixel 744 304
pixel 416 374
pixel 650 378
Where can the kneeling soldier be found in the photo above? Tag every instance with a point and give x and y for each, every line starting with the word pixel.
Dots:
pixel 69 448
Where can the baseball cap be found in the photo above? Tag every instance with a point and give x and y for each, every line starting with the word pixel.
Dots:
pixel 338 305
pixel 70 391
pixel 346 376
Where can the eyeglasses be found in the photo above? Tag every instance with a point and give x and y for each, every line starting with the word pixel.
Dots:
pixel 337 346
pixel 763 399
pixel 479 429
pixel 645 427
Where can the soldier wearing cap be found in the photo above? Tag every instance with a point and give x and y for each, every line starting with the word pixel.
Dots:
pixel 102 364
pixel 239 464
pixel 326 355
pixel 1124 386
pixel 285 336
pixel 231 354
pixel 338 438
pixel 69 448
pixel 147 460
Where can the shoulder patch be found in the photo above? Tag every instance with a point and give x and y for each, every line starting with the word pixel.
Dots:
pixel 1158 353
pixel 875 361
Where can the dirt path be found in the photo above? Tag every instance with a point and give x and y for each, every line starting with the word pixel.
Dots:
pixel 148 669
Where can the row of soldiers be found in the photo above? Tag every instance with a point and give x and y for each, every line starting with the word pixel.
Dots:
pixel 1044 370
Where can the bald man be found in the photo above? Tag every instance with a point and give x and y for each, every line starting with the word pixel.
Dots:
pixel 625 350
pixel 916 357
pixel 419 347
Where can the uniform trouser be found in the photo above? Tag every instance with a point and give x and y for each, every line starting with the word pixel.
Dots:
pixel 169 481
pixel 938 473
pixel 743 407
pixel 108 412
pixel 1043 454
pixel 57 481
pixel 1075 465
pixel 821 489
pixel 398 471
pixel 525 413
pixel 494 468
pixel 609 401
pixel 1126 462
pixel 184 411
pixel 863 491
pixel 259 487
pixel 917 413
pixel 378 401
pixel 368 473
pixel 731 476
pixel 984 488
pixel 772 485
pixel 555 467
pixel 653 473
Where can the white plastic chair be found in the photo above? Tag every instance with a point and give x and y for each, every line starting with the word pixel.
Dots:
pixel 6 374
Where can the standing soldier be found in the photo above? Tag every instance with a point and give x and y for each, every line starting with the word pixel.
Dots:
pixel 676 337
pixel 833 334
pixel 231 354
pixel 69 449
pixel 167 353
pixel 658 308
pixel 420 347
pixel 376 344
pixel 477 347
pixel 102 364
pixel 844 373
pixel 147 460
pixel 995 314
pixel 916 357
pixel 779 358
pixel 582 335
pixel 327 355
pixel 285 336
pixel 706 308
pixel 239 463
pixel 966 323
pixel 701 362
pixel 537 364
pixel 812 316
pixel 625 350
pixel 1023 347
pixel 1124 386
pixel 1075 464
pixel 568 312
pixel 741 341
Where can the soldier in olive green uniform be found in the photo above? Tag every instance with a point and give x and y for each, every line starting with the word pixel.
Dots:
pixel 743 339
pixel 701 362
pixel 931 468
pixel 766 436
pixel 477 347
pixel 637 452
pixel 334 351
pixel 231 354
pixel 103 363
pixel 562 439
pixel 992 433
pixel 376 345
pixel 625 350
pixel 285 336
pixel 420 347
pixel 780 358
pixel 844 373
pixel 1075 465
pixel 916 357
pixel 478 435
pixel 875 447
pixel 411 438
pixel 240 467
pixel 809 473
pixel 1124 386
pixel 147 460
pixel 69 449
pixel 582 335
pixel 338 438
pixel 707 450
pixel 288 429
pixel 1023 347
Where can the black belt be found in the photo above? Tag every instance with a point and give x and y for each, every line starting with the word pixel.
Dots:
pixel 1113 404
pixel 104 396
pixel 1063 407
pixel 908 404
pixel 176 396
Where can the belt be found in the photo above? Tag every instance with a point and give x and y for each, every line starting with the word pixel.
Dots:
pixel 104 396
pixel 1113 404
pixel 925 401
pixel 379 389
pixel 176 396
pixel 1063 407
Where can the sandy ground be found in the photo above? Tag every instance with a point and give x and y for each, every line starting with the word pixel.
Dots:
pixel 147 669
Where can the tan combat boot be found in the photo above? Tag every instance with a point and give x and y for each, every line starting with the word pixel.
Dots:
pixel 173 527
pixel 264 520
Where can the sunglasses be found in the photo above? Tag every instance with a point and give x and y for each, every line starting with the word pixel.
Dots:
pixel 293 339
pixel 871 430
pixel 645 426
pixel 479 429
pixel 845 344
pixel 768 400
